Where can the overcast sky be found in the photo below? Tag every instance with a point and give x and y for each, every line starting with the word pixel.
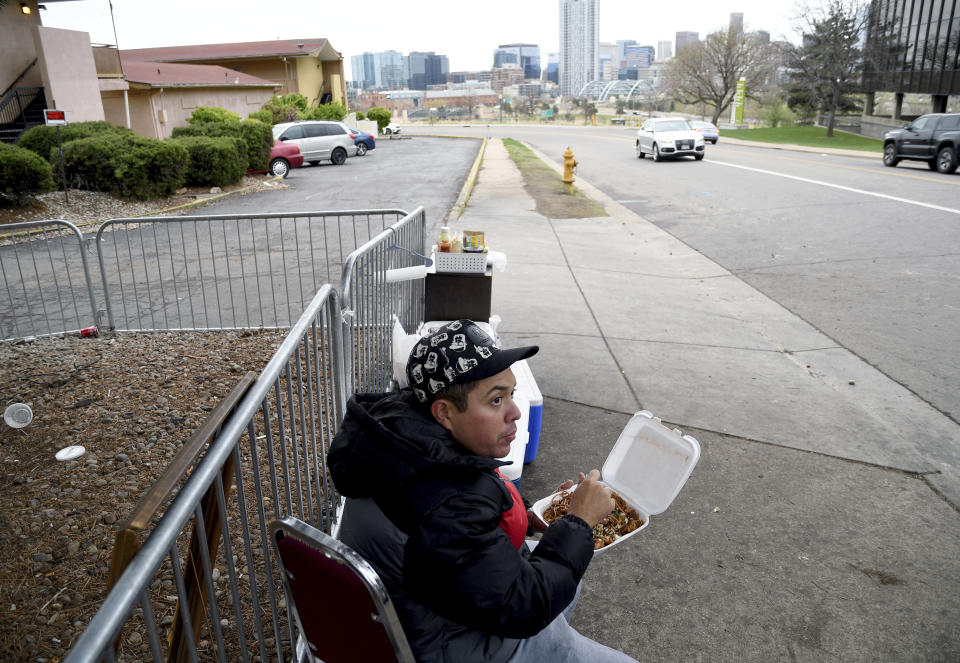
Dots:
pixel 466 32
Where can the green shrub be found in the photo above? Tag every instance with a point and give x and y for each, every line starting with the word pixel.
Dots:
pixel 280 113
pixel 263 115
pixel 381 115
pixel 22 172
pixel 332 111
pixel 295 99
pixel 360 116
pixel 214 161
pixel 212 114
pixel 257 136
pixel 128 165
pixel 775 113
pixel 42 139
pixel 282 109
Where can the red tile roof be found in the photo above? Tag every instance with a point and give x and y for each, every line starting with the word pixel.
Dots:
pixel 172 75
pixel 239 50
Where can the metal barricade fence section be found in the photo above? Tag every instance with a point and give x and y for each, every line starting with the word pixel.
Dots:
pixel 370 300
pixel 46 280
pixel 225 272
pixel 203 585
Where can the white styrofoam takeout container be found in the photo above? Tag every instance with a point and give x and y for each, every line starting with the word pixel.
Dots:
pixel 647 467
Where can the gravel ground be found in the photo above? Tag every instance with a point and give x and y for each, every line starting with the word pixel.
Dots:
pixel 131 400
pixel 83 207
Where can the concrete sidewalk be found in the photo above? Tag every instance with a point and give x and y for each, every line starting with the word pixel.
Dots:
pixel 821 522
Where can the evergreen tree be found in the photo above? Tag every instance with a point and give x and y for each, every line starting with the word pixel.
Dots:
pixel 828 65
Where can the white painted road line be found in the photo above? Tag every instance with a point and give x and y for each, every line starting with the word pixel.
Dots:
pixel 836 186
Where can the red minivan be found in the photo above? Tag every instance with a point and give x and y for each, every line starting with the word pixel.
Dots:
pixel 283 157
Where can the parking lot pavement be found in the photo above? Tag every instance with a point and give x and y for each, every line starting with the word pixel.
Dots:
pixel 402 173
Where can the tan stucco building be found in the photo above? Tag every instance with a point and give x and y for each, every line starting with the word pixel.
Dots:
pixel 43 67
pixel 311 67
pixel 161 96
pixel 149 90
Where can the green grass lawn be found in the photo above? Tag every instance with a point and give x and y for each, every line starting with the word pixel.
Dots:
pixel 806 135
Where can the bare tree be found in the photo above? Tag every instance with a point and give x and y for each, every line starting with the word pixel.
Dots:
pixel 707 72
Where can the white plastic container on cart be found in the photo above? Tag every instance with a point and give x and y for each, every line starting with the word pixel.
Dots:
pixel 527 387
pixel 518 447
pixel 647 467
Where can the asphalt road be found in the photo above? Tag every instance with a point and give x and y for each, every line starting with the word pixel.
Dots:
pixel 399 174
pixel 866 254
pixel 195 277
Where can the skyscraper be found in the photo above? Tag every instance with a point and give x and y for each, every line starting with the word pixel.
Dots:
pixel 608 61
pixel 363 70
pixel 527 56
pixel 388 70
pixel 579 44
pixel 664 51
pixel 553 67
pixel 736 22
pixel 685 39
pixel 425 68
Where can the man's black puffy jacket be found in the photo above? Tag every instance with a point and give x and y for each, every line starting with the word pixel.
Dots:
pixel 461 589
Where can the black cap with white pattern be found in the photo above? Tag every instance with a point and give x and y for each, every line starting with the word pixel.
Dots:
pixel 457 352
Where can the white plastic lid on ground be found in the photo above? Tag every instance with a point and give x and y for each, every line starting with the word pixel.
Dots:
pixel 71 452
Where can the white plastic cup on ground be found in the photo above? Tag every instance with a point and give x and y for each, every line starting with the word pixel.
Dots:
pixel 18 415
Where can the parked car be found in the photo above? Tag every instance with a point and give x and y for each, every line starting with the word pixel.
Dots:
pixel 319 140
pixel 933 138
pixel 392 128
pixel 283 157
pixel 708 130
pixel 665 137
pixel 363 141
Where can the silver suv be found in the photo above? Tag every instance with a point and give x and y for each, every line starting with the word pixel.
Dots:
pixel 668 137
pixel 319 140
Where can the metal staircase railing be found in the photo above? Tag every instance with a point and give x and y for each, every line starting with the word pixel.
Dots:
pixel 21 109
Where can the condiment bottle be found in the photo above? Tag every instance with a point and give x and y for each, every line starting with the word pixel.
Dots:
pixel 456 246
pixel 443 240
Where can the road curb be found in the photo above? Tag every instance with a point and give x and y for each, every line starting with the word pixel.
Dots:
pixel 192 203
pixel 467 189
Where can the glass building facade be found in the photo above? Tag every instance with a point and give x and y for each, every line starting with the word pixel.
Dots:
pixel 526 56
pixel 913 46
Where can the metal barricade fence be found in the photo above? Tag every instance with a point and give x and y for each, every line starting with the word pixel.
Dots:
pixel 370 302
pixel 47 284
pixel 225 271
pixel 268 461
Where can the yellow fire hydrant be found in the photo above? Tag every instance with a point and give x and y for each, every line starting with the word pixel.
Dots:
pixel 569 163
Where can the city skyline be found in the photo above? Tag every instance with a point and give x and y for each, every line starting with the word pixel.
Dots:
pixel 468 39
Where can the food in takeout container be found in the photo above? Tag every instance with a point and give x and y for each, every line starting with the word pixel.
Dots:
pixel 647 467
pixel 623 521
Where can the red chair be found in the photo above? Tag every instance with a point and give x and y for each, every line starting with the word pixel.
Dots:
pixel 341 607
